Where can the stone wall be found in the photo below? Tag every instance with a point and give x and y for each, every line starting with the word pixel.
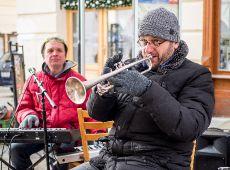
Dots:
pixel 8 16
pixel 191 21
pixel 38 20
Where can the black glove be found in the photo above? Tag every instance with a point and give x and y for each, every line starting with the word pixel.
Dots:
pixel 110 65
pixel 130 82
pixel 111 61
pixel 106 70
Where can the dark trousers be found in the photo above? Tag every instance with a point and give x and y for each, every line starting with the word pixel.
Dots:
pixel 21 152
pixel 124 163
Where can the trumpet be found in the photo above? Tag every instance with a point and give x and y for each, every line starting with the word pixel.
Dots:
pixel 76 89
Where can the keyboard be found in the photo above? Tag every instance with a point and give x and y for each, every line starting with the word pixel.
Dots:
pixel 36 135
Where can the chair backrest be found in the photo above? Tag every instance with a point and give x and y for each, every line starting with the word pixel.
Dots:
pixel 84 126
pixel 193 155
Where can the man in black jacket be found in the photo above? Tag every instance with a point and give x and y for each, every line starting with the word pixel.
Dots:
pixel 158 115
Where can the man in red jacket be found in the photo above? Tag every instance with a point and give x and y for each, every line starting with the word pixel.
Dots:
pixel 55 71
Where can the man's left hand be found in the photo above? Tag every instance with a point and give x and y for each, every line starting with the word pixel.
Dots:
pixel 130 82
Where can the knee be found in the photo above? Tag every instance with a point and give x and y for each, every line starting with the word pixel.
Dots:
pixel 84 166
pixel 16 149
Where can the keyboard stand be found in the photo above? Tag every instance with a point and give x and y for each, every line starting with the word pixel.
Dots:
pixel 70 157
pixel 6 163
pixel 77 155
pixel 39 160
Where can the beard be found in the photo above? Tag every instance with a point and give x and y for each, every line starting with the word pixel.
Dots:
pixel 158 60
pixel 168 53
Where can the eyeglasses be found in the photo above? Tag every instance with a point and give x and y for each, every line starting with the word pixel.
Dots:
pixel 156 42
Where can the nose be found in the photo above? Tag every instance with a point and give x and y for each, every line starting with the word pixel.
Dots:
pixel 149 48
pixel 55 52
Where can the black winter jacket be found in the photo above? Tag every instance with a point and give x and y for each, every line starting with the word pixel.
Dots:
pixel 169 116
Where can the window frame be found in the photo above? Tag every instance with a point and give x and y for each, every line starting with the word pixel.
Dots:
pixel 102 37
pixel 211 38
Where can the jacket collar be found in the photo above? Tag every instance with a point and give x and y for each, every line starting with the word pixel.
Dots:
pixel 175 60
pixel 67 66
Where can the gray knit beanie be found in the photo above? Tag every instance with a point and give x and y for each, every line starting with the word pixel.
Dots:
pixel 160 23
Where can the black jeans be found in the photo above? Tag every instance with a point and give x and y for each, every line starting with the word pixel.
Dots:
pixel 21 152
pixel 124 163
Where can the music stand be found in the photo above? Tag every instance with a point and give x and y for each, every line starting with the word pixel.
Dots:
pixel 17 69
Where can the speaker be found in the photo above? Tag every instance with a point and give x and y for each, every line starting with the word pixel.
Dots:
pixel 211 151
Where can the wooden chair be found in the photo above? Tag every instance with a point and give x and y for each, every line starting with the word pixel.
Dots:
pixel 193 155
pixel 84 126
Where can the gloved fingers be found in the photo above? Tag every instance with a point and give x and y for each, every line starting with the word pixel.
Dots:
pixel 130 74
pixel 111 61
pixel 119 89
pixel 102 89
pixel 36 123
pixel 30 122
pixel 33 122
pixel 117 58
pixel 133 72
pixel 106 70
pixel 116 81
pixel 23 124
pixel 122 76
pixel 125 89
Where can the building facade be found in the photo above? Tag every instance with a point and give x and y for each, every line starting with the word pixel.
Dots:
pixel 110 30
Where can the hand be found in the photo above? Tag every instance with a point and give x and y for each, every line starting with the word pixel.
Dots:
pixel 104 89
pixel 112 61
pixel 110 65
pixel 29 122
pixel 130 82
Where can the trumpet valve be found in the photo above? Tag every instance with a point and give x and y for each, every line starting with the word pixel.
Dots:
pixel 119 65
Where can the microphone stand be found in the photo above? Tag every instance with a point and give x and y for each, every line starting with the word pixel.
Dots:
pixel 44 94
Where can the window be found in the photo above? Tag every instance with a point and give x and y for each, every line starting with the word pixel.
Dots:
pixel 4 39
pixel 120 32
pixel 1 45
pixel 107 31
pixel 216 42
pixel 224 60
pixel 91 36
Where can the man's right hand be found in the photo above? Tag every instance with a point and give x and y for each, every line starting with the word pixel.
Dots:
pixel 29 122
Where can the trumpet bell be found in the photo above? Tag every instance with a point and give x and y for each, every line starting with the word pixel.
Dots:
pixel 75 90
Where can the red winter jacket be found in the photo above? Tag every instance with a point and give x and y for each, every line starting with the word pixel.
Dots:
pixel 65 115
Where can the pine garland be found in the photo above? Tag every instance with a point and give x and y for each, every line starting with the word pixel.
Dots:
pixel 73 4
